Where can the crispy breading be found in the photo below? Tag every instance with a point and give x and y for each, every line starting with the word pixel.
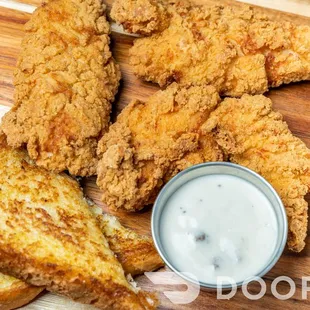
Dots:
pixel 50 238
pixel 140 16
pixel 253 135
pixel 236 49
pixel 151 142
pixel 65 81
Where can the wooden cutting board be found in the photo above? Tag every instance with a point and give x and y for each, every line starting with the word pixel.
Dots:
pixel 293 101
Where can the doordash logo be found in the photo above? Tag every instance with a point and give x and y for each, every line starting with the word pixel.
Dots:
pixel 181 296
pixel 185 292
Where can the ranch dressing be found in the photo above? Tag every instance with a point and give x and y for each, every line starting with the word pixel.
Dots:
pixel 219 225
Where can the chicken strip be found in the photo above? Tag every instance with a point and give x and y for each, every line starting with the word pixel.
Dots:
pixel 65 81
pixel 50 238
pixel 142 16
pixel 152 141
pixel 236 49
pixel 253 135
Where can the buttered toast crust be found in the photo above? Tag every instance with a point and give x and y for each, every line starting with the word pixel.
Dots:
pixel 15 293
pixel 49 237
pixel 136 253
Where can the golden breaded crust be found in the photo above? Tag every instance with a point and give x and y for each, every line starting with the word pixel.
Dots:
pixel 253 135
pixel 151 142
pixel 236 49
pixel 64 83
pixel 15 293
pixel 49 237
pixel 140 16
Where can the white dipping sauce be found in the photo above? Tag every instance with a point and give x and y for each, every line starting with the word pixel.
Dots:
pixel 219 225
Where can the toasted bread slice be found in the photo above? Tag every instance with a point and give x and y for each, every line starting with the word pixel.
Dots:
pixel 15 293
pixel 136 253
pixel 50 238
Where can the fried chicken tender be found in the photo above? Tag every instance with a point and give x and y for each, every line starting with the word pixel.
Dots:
pixel 236 49
pixel 65 81
pixel 253 135
pixel 152 141
pixel 141 16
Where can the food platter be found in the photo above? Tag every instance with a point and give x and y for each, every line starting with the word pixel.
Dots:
pixel 293 101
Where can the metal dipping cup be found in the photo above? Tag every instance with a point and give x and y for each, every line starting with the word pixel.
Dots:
pixel 223 168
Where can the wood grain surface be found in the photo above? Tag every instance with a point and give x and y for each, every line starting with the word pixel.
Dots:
pixel 293 101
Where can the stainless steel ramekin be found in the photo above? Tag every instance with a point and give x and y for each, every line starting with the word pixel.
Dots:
pixel 215 168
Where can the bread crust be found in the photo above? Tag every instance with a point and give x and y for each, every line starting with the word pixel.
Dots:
pixel 136 253
pixel 16 293
pixel 81 288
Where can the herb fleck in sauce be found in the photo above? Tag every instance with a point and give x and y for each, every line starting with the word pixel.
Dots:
pixel 231 232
